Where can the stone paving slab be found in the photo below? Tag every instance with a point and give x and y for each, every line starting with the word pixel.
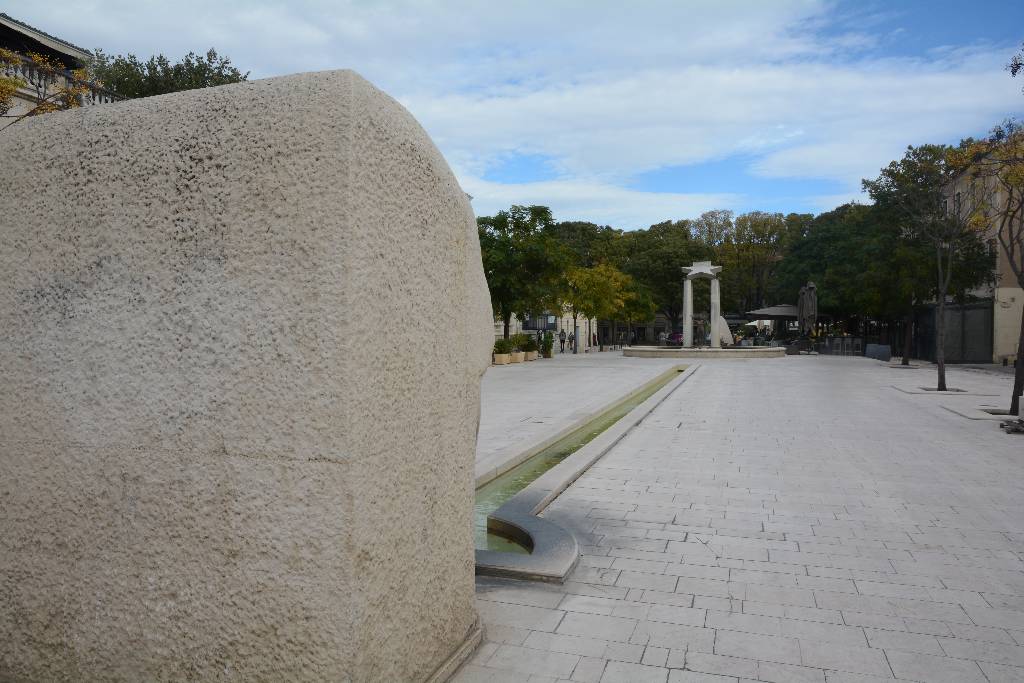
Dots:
pixel 785 520
pixel 524 404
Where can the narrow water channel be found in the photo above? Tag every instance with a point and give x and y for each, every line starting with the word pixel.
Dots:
pixel 493 494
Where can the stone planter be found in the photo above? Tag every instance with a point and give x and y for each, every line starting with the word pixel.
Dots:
pixel 517 357
pixel 531 355
pixel 549 354
pixel 502 358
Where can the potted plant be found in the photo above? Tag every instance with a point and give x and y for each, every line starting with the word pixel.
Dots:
pixel 549 343
pixel 518 342
pixel 502 351
pixel 530 347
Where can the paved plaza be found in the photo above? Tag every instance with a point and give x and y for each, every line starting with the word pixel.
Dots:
pixel 786 520
pixel 525 403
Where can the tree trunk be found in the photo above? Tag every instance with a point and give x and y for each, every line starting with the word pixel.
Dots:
pixel 1018 375
pixel 944 276
pixel 506 320
pixel 575 336
pixel 908 337
pixel 940 341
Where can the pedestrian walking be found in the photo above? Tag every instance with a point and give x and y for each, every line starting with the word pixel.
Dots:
pixel 572 341
pixel 561 341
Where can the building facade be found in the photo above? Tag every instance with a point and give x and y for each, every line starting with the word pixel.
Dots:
pixel 40 83
pixel 554 323
pixel 1003 301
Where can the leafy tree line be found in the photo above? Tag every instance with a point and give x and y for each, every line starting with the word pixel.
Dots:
pixel 922 240
pixel 883 261
pixel 131 77
pixel 534 263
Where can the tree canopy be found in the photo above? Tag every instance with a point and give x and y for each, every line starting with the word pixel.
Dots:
pixel 524 265
pixel 129 76
pixel 915 190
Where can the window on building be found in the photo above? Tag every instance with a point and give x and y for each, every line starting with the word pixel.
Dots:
pixel 544 321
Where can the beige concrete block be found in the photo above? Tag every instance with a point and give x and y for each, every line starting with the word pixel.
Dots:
pixel 206 471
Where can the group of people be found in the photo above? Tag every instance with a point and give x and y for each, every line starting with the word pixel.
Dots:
pixel 562 339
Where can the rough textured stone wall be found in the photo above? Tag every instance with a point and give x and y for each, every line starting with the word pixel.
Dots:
pixel 241 336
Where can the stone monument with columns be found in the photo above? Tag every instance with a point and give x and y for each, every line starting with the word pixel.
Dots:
pixel 701 269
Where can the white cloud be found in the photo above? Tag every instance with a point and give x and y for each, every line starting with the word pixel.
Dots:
pixel 592 201
pixel 606 90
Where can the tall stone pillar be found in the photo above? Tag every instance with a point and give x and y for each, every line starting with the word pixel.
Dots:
pixel 688 312
pixel 716 313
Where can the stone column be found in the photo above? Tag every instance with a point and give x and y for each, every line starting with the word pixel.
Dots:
pixel 716 313
pixel 688 312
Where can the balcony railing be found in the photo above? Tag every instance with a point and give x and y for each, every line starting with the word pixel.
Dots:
pixel 44 82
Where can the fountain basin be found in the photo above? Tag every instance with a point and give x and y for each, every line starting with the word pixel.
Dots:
pixel 553 550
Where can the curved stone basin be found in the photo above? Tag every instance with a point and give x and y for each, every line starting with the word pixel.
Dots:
pixel 546 551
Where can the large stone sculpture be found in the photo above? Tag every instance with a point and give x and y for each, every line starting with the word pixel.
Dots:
pixel 241 336
pixel 807 309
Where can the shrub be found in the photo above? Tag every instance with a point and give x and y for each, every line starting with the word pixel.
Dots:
pixel 530 344
pixel 549 342
pixel 519 341
pixel 503 346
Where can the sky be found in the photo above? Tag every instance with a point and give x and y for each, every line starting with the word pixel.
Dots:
pixel 622 113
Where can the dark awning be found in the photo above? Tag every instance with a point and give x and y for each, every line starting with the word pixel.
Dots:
pixel 779 312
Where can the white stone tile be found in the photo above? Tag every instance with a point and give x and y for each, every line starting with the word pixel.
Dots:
pixel 675 636
pixel 529 661
pixel 843 658
pixel 597 626
pixel 574 645
pixel 901 640
pixel 588 670
pixel 655 656
pixel 919 667
pixel 721 665
pixel 773 672
pixel 680 676
pixel 518 616
pixel 760 647
pixel 1000 673
pixel 676 615
pixel 999 653
pixel 623 672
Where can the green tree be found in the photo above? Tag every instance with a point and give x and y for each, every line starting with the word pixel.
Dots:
pixel 749 253
pixel 832 253
pixel 994 169
pixel 655 257
pixel 596 292
pixel 131 77
pixel 638 306
pixel 914 188
pixel 712 228
pixel 523 264
pixel 587 243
